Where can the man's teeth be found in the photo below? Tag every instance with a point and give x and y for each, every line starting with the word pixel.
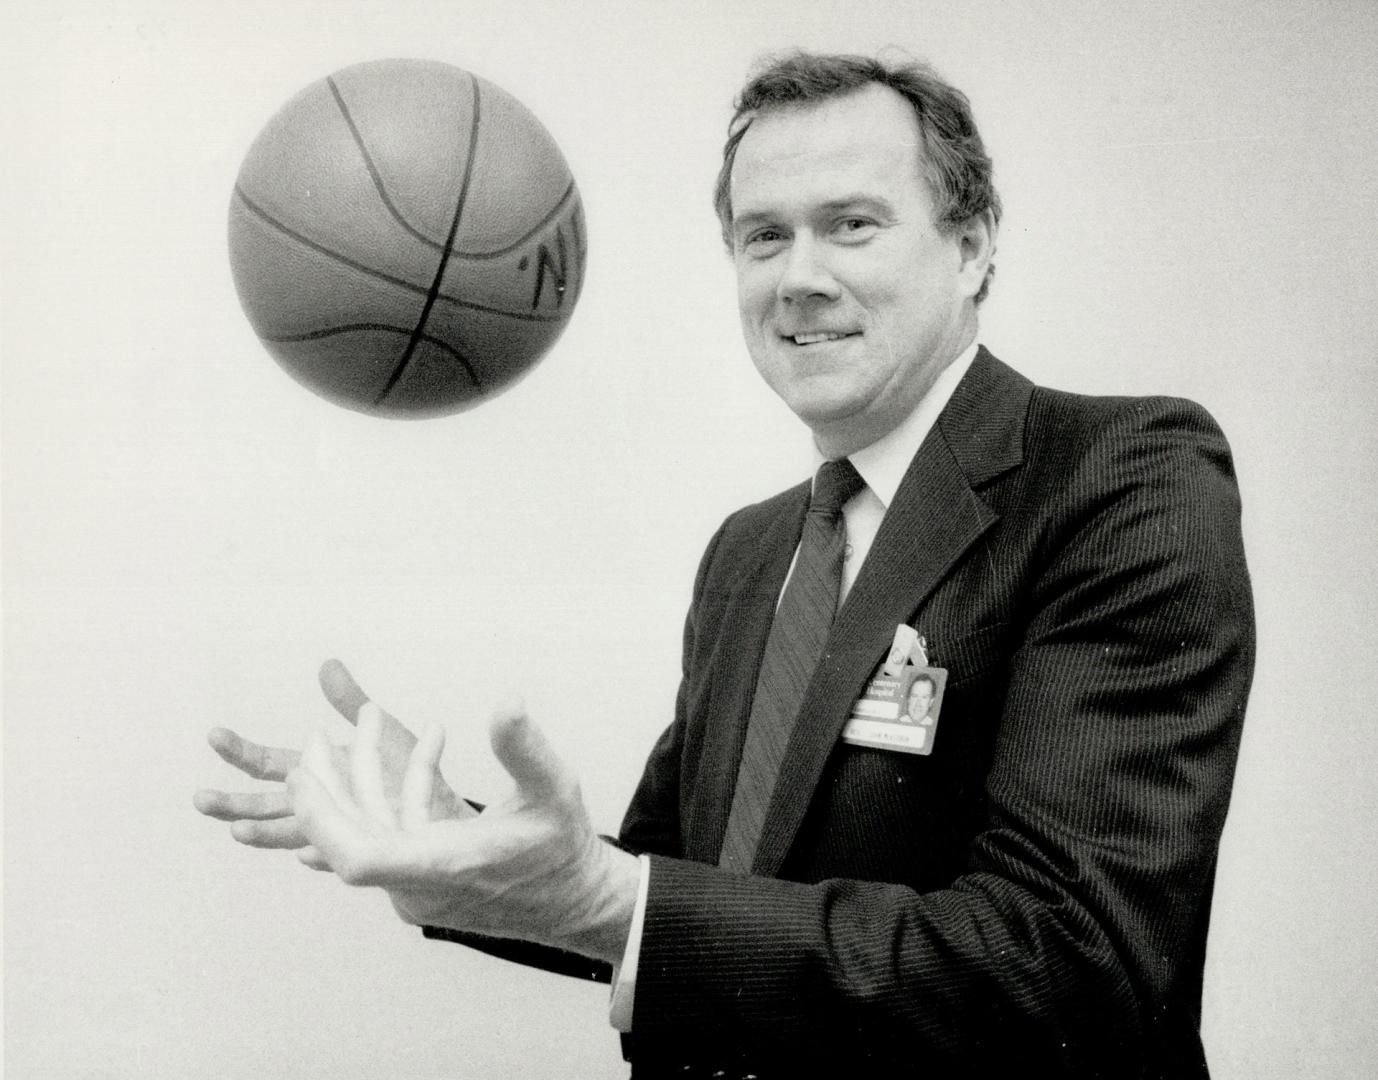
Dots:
pixel 812 339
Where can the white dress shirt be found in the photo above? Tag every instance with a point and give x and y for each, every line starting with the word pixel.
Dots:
pixel 882 465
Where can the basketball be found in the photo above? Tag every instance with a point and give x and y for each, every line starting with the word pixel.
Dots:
pixel 406 238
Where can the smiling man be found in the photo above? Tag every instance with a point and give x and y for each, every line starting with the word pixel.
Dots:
pixel 854 296
pixel 1027 890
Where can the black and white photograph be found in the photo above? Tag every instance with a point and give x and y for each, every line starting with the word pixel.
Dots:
pixel 726 539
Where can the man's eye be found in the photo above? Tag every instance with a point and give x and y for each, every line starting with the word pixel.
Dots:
pixel 763 240
pixel 856 227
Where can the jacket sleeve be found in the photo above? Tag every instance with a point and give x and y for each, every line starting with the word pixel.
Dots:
pixel 1062 949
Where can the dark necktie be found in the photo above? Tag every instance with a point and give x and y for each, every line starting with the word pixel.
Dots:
pixel 793 649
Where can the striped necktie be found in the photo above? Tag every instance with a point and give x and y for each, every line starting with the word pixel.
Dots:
pixel 793 650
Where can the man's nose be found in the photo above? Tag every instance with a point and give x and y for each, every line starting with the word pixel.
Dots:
pixel 807 274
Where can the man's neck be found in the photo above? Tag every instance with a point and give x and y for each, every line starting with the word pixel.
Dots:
pixel 860 431
pixel 860 438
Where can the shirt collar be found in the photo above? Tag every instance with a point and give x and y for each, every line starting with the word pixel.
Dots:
pixel 883 464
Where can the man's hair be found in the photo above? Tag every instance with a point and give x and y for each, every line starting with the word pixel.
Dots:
pixel 932 683
pixel 953 159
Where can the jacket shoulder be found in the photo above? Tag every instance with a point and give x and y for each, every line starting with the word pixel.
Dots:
pixel 1066 428
pixel 1094 411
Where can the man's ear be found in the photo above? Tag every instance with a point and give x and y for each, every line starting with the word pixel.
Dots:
pixel 976 242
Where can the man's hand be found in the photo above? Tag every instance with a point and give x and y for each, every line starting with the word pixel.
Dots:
pixel 529 867
pixel 264 818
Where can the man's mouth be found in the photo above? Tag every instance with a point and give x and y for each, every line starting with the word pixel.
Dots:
pixel 814 338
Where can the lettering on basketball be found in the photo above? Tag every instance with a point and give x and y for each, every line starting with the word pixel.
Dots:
pixel 556 266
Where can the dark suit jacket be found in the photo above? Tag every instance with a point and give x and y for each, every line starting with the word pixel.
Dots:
pixel 1032 896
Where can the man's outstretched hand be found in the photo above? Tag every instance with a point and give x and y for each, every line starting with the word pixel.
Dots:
pixel 264 818
pixel 530 866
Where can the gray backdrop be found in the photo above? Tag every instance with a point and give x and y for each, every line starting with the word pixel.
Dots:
pixel 1190 209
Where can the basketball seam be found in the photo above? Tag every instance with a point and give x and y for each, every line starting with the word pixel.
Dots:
pixel 315 335
pixel 306 241
pixel 373 169
pixel 396 211
pixel 499 252
pixel 403 363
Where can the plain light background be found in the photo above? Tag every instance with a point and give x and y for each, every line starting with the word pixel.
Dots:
pixel 1190 209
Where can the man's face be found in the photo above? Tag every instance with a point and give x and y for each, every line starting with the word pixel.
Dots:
pixel 851 299
pixel 920 698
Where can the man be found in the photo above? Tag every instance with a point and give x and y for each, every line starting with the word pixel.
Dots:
pixel 1034 893
pixel 920 698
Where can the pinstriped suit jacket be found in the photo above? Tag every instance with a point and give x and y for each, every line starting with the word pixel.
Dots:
pixel 1032 896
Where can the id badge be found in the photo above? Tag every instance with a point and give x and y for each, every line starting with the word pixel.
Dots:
pixel 898 712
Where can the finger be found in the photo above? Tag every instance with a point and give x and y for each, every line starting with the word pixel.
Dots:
pixel 418 782
pixel 234 806
pixel 366 769
pixel 318 761
pixel 340 841
pixel 260 762
pixel 325 826
pixel 282 833
pixel 524 752
pixel 341 690
pixel 311 856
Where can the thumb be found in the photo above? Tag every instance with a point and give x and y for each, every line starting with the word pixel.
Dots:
pixel 341 690
pixel 522 749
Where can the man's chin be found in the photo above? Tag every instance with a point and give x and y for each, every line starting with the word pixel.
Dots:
pixel 821 413
pixel 838 428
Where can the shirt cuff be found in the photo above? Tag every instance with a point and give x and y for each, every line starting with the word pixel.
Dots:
pixel 624 975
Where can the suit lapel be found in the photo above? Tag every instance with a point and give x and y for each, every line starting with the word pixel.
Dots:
pixel 935 517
